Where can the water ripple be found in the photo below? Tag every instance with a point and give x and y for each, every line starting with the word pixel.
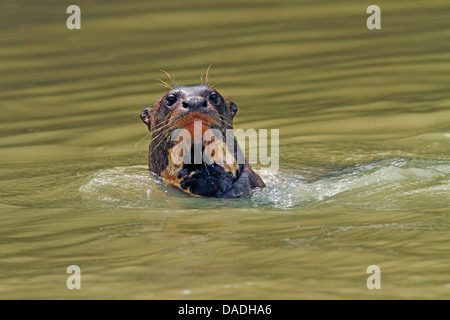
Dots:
pixel 389 184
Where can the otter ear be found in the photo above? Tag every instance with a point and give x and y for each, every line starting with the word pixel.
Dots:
pixel 145 115
pixel 233 108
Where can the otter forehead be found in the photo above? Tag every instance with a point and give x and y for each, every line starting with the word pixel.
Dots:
pixel 192 90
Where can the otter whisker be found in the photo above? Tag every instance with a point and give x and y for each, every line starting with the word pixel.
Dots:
pixel 159 134
pixel 223 119
pixel 162 125
pixel 155 136
pixel 167 126
pixel 165 84
pixel 165 140
pixel 170 77
pixel 207 75
pixel 148 134
pixel 215 83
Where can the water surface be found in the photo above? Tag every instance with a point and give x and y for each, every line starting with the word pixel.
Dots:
pixel 364 122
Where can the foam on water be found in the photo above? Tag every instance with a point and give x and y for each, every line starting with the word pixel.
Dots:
pixel 389 184
pixel 384 184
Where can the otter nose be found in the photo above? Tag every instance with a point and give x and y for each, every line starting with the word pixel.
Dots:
pixel 195 103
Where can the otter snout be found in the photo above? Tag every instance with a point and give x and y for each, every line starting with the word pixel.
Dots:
pixel 195 103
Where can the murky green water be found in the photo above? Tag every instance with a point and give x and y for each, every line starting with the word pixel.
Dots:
pixel 364 120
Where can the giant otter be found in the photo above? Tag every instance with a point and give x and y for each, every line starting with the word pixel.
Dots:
pixel 196 109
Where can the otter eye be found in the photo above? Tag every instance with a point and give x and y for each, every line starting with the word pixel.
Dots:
pixel 171 100
pixel 214 98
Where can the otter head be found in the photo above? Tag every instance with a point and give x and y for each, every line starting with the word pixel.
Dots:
pixel 183 105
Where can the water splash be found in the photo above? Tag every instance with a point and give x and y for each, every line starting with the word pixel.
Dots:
pixel 385 184
pixel 131 186
pixel 389 184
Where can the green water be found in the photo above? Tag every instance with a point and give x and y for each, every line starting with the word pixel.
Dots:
pixel 364 123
